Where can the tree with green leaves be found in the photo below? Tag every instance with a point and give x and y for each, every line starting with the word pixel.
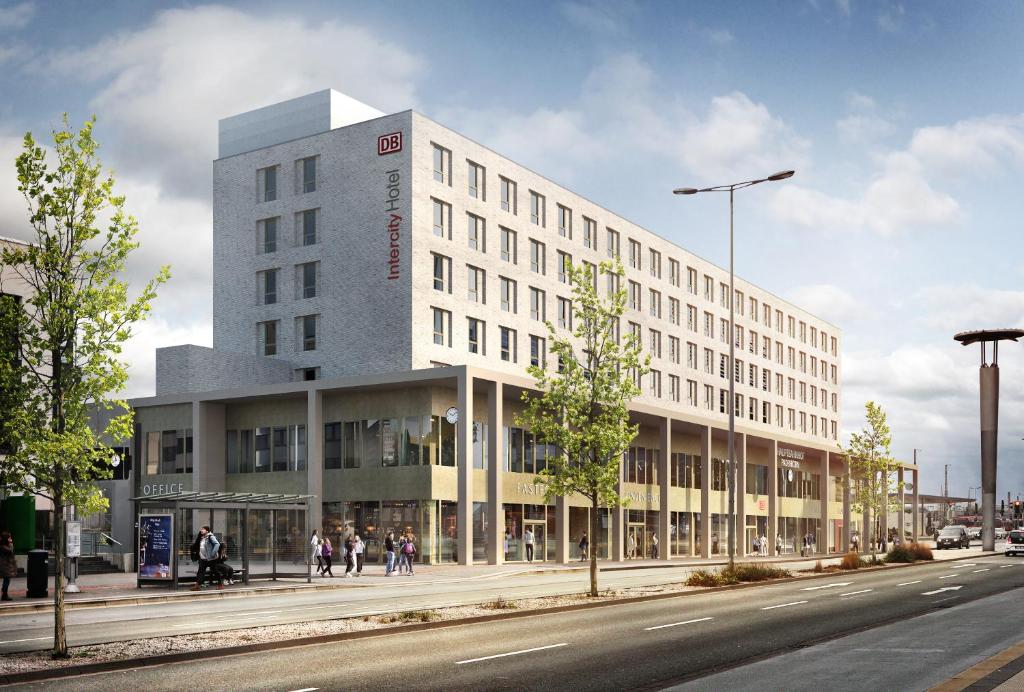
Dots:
pixel 582 407
pixel 69 332
pixel 872 467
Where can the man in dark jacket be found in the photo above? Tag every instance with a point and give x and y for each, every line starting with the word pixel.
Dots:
pixel 8 565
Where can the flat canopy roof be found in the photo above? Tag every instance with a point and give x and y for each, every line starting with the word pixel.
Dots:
pixel 966 338
pixel 225 498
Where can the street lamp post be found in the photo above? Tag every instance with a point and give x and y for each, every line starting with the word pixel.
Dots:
pixel 731 188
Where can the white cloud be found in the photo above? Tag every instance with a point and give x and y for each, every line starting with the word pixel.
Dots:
pixel 969 307
pixel 975 145
pixel 155 332
pixel 863 128
pixel 162 88
pixel 829 302
pixel 17 16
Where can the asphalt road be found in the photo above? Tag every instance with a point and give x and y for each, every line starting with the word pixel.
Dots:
pixel 648 645
pixel 33 631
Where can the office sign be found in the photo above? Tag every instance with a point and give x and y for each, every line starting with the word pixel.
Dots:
pixel 156 546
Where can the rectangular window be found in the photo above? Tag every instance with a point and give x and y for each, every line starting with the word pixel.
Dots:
pixel 634 255
pixel 508 345
pixel 538 311
pixel 709 288
pixel 753 309
pixel 691 392
pixel 306 280
pixel 655 262
pixel 654 342
pixel 673 272
pixel 477 180
pixel 655 300
pixel 268 184
pixel 655 383
pixel 442 165
pixel 509 195
pixel 307 332
pixel 306 221
pixel 475 336
pixel 691 355
pixel 537 210
pixel 565 314
pixel 634 296
pixel 268 334
pixel 266 229
pixel 509 245
pixel 537 263
pixel 691 280
pixel 538 355
pixel 723 294
pixel 476 282
pixel 476 233
pixel 267 281
pixel 308 166
pixel 673 350
pixel 612 283
pixel 564 222
pixel 564 262
pixel 442 219
pixel 589 233
pixel 442 327
pixel 739 303
pixel 612 242
pixel 709 325
pixel 673 311
pixel 509 298
pixel 723 330
pixel 673 387
pixel 709 397
pixel 691 318
pixel 442 273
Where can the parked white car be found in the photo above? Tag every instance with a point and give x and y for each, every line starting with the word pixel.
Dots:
pixel 1014 543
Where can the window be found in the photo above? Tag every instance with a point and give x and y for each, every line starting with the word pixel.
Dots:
pixel 612 242
pixel 475 335
pixel 673 272
pixel 564 262
pixel 634 296
pixel 612 283
pixel 267 281
pixel 753 308
pixel 723 401
pixel 564 222
pixel 709 325
pixel 538 355
pixel 538 311
pixel 766 380
pixel 476 282
pixel 723 330
pixel 442 327
pixel 691 318
pixel 655 262
pixel 738 371
pixel 723 366
pixel 739 337
pixel 509 249
pixel 590 269
pixel 709 397
pixel 537 263
pixel 723 294
pixel 476 232
pixel 565 314
pixel 508 345
pixel 673 311
pixel 442 273
pixel 634 255
pixel 267 182
pixel 739 303
pixel 509 302
pixel 307 332
pixel 709 288
pixel 691 280
pixel 766 412
pixel 803 332
pixel 589 233
pixel 691 355
pixel 442 165
pixel 673 387
pixel 673 350
pixel 654 342
pixel 655 300
pixel 477 181
pixel 655 383
pixel 778 321
pixel 306 280
pixel 306 227
pixel 767 312
pixel 508 195
pixel 308 171
pixel 791 326
pixel 266 240
pixel 752 343
pixel 268 335
pixel 442 219
pixel 691 392
pixel 537 210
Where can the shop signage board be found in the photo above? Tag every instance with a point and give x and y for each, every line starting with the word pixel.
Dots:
pixel 156 545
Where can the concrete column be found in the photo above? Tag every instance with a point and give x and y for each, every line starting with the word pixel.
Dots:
pixel 315 456
pixel 209 466
pixel 989 382
pixel 618 538
pixel 824 537
pixel 664 483
pixel 495 469
pixel 705 492
pixel 916 502
pixel 902 521
pixel 847 528
pixel 773 494
pixel 464 462
pixel 742 548
pixel 561 531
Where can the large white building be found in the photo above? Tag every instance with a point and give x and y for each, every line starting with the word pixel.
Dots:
pixel 372 271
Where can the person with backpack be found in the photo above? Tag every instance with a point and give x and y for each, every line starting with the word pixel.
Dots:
pixel 325 554
pixel 350 557
pixel 209 550
pixel 389 550
pixel 409 549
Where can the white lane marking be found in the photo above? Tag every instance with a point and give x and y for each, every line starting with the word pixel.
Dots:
pixel 307 689
pixel 854 593
pixel 947 576
pixel 945 588
pixel 676 624
pixel 908 583
pixel 17 641
pixel 783 605
pixel 965 564
pixel 511 653
pixel 975 571
pixel 258 612
pixel 827 586
pixel 1001 566
pixel 942 600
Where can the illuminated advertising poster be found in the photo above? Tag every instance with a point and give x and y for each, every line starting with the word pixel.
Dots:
pixel 156 541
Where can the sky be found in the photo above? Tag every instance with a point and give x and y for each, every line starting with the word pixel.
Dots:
pixel 904 122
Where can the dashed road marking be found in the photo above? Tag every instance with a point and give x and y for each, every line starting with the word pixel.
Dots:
pixel 854 593
pixel 908 583
pixel 511 653
pixel 783 605
pixel 975 571
pixel 676 624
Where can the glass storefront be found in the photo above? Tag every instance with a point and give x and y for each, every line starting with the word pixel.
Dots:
pixel 756 527
pixel 641 528
pixel 719 534
pixel 685 538
pixel 579 521
pixel 795 533
pixel 540 521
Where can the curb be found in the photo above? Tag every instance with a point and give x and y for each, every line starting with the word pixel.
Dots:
pixel 163 659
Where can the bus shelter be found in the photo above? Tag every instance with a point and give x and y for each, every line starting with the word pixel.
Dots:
pixel 266 535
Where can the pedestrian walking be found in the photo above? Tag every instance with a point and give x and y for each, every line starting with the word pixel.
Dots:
pixel 403 559
pixel 325 554
pixel 316 548
pixel 778 544
pixel 209 550
pixel 8 565
pixel 631 546
pixel 508 538
pixel 350 556
pixel 409 549
pixel 584 546
pixel 654 546
pixel 360 549
pixel 528 540
pixel 389 550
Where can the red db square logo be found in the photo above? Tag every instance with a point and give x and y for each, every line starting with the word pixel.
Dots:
pixel 389 144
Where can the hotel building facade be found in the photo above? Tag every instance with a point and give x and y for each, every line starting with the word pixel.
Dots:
pixel 373 272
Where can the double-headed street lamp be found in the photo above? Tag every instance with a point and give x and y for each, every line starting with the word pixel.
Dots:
pixel 781 175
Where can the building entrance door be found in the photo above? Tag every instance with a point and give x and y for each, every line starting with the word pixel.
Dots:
pixel 538 530
pixel 639 532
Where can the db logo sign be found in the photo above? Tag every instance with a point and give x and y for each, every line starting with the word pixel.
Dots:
pixel 389 144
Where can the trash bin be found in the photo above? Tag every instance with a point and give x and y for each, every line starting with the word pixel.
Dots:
pixel 36 573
